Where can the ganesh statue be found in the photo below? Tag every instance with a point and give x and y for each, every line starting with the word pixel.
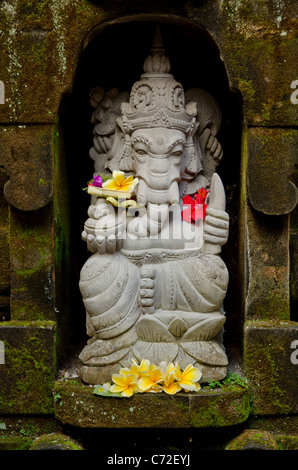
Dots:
pixel 154 284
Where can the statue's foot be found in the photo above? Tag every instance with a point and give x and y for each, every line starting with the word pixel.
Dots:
pixel 147 284
pixel 103 358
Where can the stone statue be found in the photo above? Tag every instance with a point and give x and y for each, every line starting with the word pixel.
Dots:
pixel 154 285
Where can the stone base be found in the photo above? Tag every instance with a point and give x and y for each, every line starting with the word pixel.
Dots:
pixel 98 375
pixel 77 405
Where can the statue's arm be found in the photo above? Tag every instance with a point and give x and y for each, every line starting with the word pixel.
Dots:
pixel 103 229
pixel 216 223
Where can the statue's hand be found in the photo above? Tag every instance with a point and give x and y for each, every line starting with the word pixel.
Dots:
pixel 211 145
pixel 216 226
pixel 103 229
pixel 216 223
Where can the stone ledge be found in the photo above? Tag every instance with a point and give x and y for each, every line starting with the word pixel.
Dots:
pixel 76 405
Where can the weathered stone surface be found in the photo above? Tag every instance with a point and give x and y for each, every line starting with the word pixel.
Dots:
pixel 294 269
pixel 4 252
pixel 28 371
pixel 287 442
pixel 252 439
pixel 283 428
pixel 54 441
pixel 268 295
pixel 75 404
pixel 41 42
pixel 270 368
pixel 258 45
pixel 294 253
pixel 25 153
pixel 271 163
pixel 32 265
pixel 15 443
pixel 4 218
pixel 20 431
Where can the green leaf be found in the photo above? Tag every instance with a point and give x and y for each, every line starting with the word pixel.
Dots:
pixel 98 390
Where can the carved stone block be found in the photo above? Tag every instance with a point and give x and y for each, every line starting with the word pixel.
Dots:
pixel 28 369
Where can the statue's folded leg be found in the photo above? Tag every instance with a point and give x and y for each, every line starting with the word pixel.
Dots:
pixel 188 317
pixel 110 288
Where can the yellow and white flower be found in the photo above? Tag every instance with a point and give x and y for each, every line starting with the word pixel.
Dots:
pixel 151 382
pixel 188 378
pixel 119 182
pixel 170 386
pixel 126 384
pixel 139 370
pixel 147 377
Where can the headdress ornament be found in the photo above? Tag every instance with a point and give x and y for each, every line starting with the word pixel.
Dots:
pixel 157 99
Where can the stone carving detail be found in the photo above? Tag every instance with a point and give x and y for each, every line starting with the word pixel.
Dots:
pixel 154 285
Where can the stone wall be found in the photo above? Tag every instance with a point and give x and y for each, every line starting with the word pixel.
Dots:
pixel 52 53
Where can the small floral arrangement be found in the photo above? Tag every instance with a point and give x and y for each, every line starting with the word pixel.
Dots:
pixel 194 210
pixel 113 188
pixel 148 377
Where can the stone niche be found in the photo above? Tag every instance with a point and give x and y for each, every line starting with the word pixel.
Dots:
pixel 243 57
pixel 112 61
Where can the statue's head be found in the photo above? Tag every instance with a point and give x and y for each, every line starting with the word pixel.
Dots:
pixel 164 136
pixel 158 128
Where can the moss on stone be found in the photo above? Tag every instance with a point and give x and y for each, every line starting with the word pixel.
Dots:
pixel 76 404
pixel 55 441
pixel 276 424
pixel 287 442
pixel 14 443
pixel 268 367
pixel 254 440
pixel 259 57
pixel 29 369
pixel 32 262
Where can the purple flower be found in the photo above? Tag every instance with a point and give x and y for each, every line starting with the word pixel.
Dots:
pixel 97 181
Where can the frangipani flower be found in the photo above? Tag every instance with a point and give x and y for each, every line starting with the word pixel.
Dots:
pixel 106 386
pixel 150 382
pixel 188 378
pixel 139 370
pixel 146 377
pixel 170 386
pixel 119 182
pixel 124 384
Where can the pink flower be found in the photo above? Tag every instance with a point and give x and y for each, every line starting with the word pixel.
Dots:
pixel 97 181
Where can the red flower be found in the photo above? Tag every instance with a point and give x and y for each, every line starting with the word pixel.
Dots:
pixel 201 195
pixel 194 208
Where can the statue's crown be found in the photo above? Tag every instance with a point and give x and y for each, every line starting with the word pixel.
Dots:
pixel 157 99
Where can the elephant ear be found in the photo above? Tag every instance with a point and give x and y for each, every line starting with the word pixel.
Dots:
pixel 108 138
pixel 207 148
